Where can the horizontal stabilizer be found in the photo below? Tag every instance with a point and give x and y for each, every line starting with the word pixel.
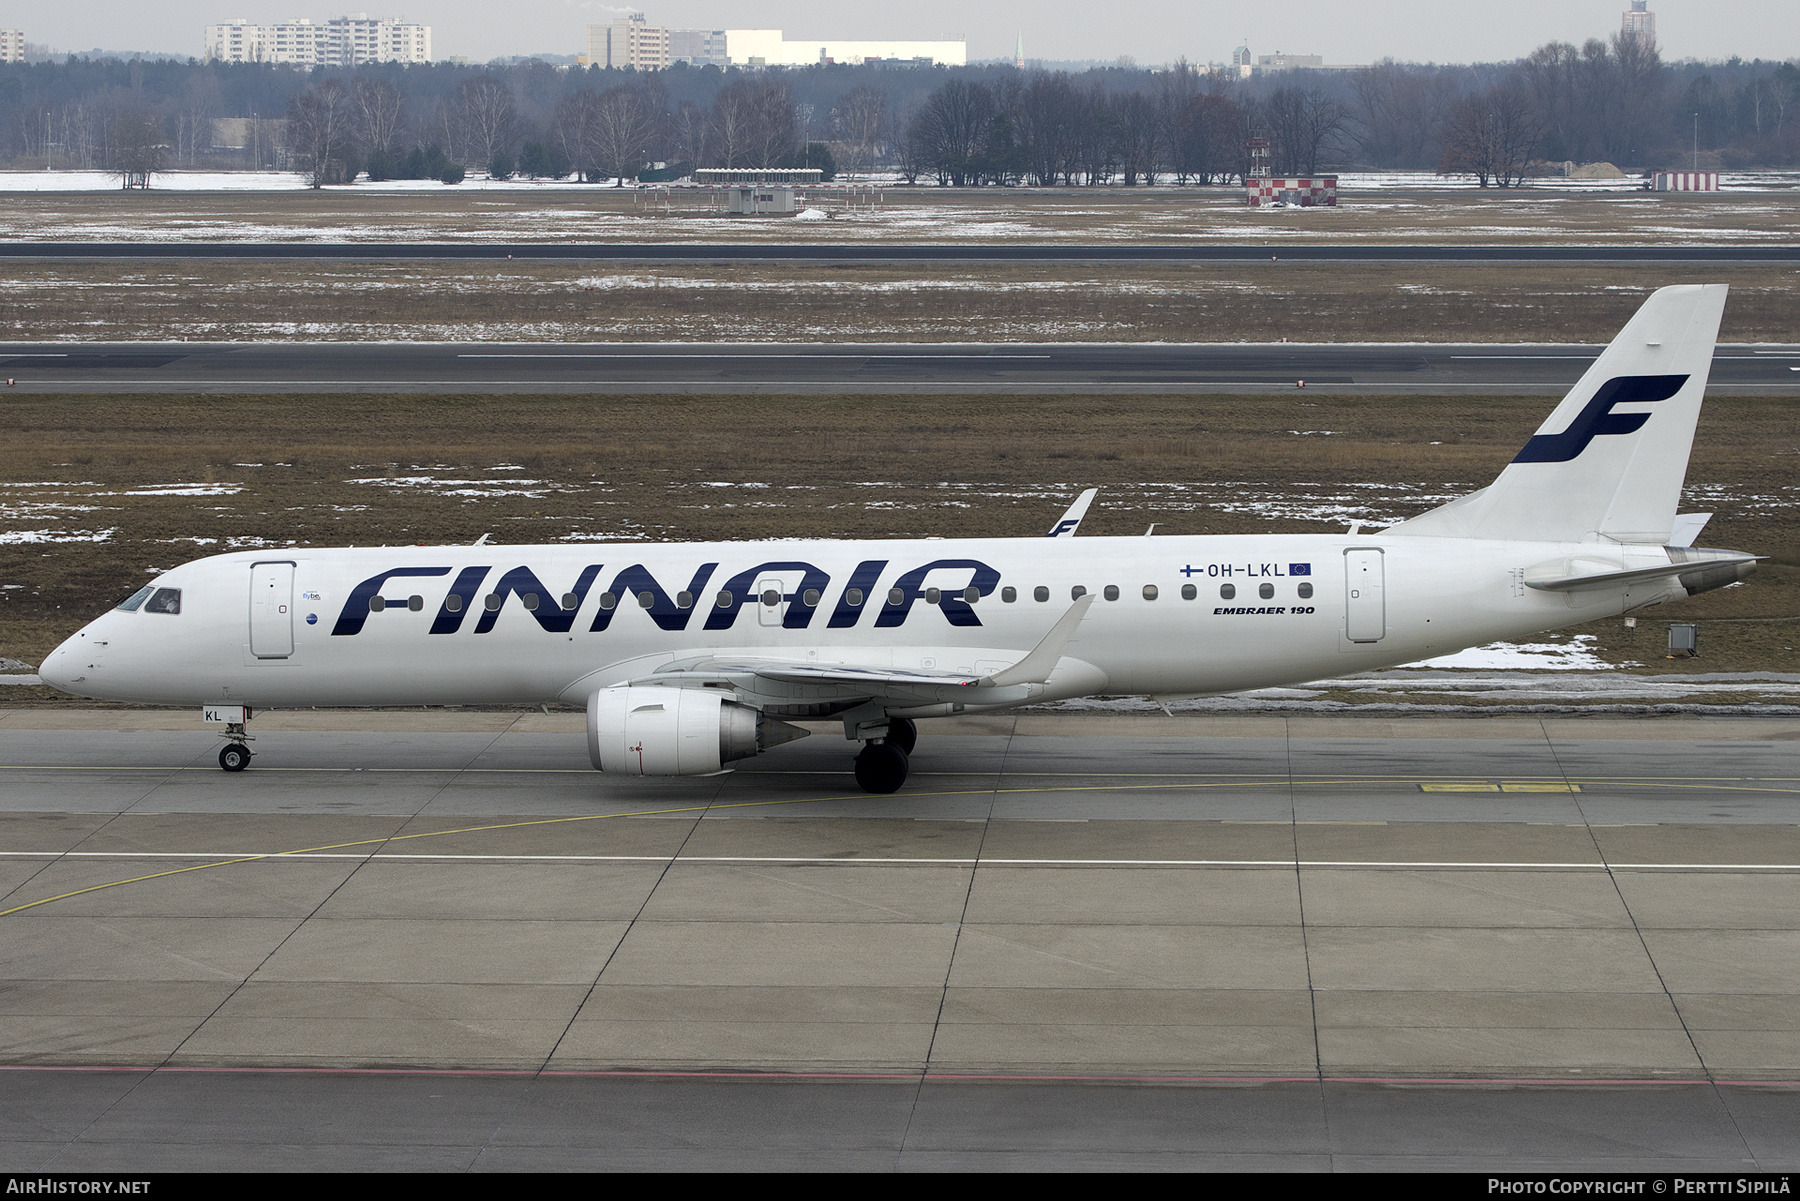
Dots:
pixel 1583 574
pixel 1687 528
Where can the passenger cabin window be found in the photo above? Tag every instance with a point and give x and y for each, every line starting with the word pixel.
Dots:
pixel 1189 592
pixel 646 599
pixel 1227 591
pixel 1110 592
pixel 493 600
pixel 854 596
pixel 1009 594
pixel 1040 593
pixel 724 598
pixel 1267 591
pixel 416 603
pixel 1149 591
pixel 971 594
pixel 607 601
pixel 811 598
pixel 571 601
pixel 453 603
pixel 896 597
pixel 164 600
pixel 130 604
pixel 1077 592
pixel 933 596
pixel 1305 591
pixel 683 600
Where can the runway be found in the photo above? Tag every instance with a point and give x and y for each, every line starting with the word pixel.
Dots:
pixel 190 367
pixel 437 939
pixel 848 252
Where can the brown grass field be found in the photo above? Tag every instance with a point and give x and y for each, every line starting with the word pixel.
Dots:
pixel 363 470
pixel 564 212
pixel 575 302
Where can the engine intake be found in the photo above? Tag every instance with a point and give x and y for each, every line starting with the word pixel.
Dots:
pixel 676 731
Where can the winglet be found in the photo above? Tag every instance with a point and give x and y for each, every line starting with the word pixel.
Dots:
pixel 1036 667
pixel 1071 521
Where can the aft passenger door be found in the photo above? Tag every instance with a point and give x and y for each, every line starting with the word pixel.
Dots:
pixel 271 610
pixel 1365 595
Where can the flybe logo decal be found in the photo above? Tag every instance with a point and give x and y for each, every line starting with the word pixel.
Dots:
pixel 955 584
pixel 1597 417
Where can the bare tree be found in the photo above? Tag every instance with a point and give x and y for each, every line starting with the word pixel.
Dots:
pixel 1209 137
pixel 378 115
pixel 1399 112
pixel 774 125
pixel 487 117
pixel 1302 123
pixel 572 124
pixel 952 128
pixel 135 147
pixel 731 121
pixel 621 130
pixel 1138 128
pixel 1493 136
pixel 859 120
pixel 318 133
pixel 688 129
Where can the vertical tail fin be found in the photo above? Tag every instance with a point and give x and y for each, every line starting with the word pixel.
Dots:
pixel 1608 464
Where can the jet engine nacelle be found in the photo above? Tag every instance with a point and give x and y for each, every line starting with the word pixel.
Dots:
pixel 676 731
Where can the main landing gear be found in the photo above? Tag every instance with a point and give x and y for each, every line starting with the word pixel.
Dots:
pixel 881 766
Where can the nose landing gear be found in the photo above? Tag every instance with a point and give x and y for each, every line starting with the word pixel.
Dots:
pixel 236 754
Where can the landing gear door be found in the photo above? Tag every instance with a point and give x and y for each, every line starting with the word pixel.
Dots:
pixel 271 610
pixel 1365 595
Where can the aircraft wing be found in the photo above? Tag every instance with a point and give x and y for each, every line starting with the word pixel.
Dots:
pixel 843 677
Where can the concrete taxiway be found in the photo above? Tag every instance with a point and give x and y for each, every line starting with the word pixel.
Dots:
pixel 687 368
pixel 1092 940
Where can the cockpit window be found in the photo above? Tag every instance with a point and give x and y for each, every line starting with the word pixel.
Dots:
pixel 131 603
pixel 166 600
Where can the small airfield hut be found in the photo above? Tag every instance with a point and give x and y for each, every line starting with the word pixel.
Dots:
pixel 752 191
pixel 1685 181
pixel 1306 192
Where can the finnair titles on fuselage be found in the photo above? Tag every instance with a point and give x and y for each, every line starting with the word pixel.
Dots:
pixel 690 656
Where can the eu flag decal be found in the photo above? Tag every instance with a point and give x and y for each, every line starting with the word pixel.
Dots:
pixel 1299 568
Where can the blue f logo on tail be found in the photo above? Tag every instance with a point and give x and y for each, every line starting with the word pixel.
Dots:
pixel 1598 418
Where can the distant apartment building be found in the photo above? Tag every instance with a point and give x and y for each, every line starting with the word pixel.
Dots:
pixel 768 48
pixel 698 47
pixel 348 41
pixel 1639 24
pixel 629 42
pixel 12 45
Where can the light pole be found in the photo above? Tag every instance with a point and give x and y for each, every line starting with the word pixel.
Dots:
pixel 1696 142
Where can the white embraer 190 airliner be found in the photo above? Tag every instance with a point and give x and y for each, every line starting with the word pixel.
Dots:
pixel 689 656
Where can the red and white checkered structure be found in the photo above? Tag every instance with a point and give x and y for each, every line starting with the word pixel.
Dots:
pixel 1308 192
pixel 1685 181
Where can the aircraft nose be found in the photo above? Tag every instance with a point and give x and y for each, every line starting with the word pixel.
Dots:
pixel 60 668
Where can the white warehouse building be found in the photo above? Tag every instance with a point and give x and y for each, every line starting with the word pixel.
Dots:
pixel 347 41
pixel 768 48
